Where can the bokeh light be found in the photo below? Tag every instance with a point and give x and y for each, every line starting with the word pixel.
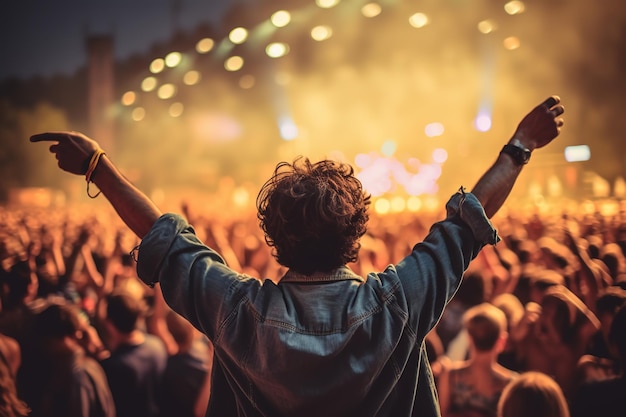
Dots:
pixel 204 45
pixel 514 7
pixel 238 35
pixel 277 49
pixel 191 77
pixel 326 4
pixel 157 65
pixel 128 98
pixel 234 63
pixel 176 109
pixel 321 33
pixel 166 91
pixel 280 18
pixel 173 59
pixel 511 43
pixel 371 10
pixel 418 20
pixel 148 84
pixel 138 114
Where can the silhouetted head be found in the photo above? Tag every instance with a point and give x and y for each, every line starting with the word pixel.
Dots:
pixel 124 311
pixel 313 214
pixel 533 394
pixel 486 325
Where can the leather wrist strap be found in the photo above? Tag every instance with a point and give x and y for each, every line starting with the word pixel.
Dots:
pixel 520 154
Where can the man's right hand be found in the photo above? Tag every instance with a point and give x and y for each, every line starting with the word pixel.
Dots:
pixel 72 149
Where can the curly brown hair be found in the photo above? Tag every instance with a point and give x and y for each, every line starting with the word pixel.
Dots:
pixel 313 214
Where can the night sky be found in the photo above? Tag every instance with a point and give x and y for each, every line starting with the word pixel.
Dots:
pixel 43 37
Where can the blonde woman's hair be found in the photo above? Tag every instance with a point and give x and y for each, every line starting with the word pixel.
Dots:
pixel 533 394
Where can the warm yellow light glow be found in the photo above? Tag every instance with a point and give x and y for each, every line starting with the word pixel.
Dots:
pixel 238 35
pixel 138 114
pixel 234 63
pixel 148 84
pixel 176 109
pixel 204 45
pixel 486 26
pixel 321 33
pixel 129 98
pixel 398 204
pixel 514 7
pixel 414 204
pixel 173 59
pixel 281 18
pixel 432 203
pixel 382 206
pixel 418 20
pixel 247 81
pixel 241 197
pixel 191 77
pixel 326 4
pixel 157 65
pixel 277 49
pixel 511 43
pixel 166 91
pixel 371 10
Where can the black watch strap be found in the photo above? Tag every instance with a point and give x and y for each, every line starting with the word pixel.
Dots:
pixel 520 155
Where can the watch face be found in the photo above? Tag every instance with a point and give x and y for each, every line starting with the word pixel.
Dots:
pixel 525 153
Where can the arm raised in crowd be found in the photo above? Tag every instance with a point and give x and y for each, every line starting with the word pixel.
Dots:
pixel 537 129
pixel 74 151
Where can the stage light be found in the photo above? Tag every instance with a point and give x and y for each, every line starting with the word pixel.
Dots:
pixel 440 155
pixel 138 114
pixel 577 153
pixel 173 59
pixel 238 35
pixel 321 33
pixel 191 77
pixel 482 123
pixel 148 84
pixel 418 20
pixel 234 63
pixel 511 43
pixel 166 91
pixel 281 18
pixel 277 49
pixel 486 26
pixel 176 109
pixel 434 129
pixel 371 10
pixel 204 45
pixel 326 4
pixel 514 7
pixel 129 98
pixel 157 65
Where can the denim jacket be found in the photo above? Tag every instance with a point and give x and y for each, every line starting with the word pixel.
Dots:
pixel 328 344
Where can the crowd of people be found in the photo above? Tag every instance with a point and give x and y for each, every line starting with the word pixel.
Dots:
pixel 81 335
pixel 341 313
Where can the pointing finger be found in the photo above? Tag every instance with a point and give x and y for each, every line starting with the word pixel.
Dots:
pixel 49 137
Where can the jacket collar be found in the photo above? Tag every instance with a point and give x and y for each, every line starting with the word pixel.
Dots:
pixel 343 273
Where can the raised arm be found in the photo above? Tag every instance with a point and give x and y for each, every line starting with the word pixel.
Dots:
pixel 74 151
pixel 537 129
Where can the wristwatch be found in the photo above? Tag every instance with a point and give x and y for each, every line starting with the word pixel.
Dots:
pixel 519 153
